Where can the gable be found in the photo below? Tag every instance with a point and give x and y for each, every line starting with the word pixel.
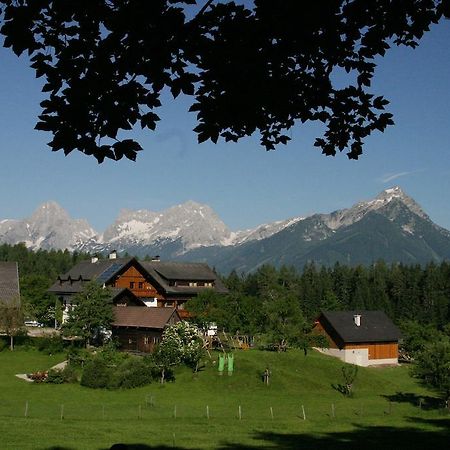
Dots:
pixel 136 281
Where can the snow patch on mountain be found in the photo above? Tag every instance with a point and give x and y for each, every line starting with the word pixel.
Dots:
pixel 189 226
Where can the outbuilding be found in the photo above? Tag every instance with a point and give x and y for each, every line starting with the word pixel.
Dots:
pixel 140 329
pixel 364 338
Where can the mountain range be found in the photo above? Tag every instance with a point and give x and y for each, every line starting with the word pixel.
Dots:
pixel 392 227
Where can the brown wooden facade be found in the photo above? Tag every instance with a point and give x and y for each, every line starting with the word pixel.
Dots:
pixel 136 282
pixel 377 350
pixel 137 339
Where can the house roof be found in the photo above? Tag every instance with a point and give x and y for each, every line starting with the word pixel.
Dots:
pixel 375 326
pixel 164 274
pixel 143 317
pixel 102 270
pixel 9 282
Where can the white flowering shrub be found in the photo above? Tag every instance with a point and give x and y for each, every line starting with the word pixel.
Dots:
pixel 184 342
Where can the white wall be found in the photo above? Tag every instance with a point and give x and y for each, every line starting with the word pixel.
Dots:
pixel 359 357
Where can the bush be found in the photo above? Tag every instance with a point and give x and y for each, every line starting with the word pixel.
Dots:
pixel 132 373
pixel 76 357
pixel 50 345
pixel 3 344
pixel 66 375
pixel 55 376
pixel 96 374
pixel 110 355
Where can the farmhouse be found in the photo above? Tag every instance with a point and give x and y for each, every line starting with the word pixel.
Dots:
pixel 9 284
pixel 364 338
pixel 147 283
pixel 140 329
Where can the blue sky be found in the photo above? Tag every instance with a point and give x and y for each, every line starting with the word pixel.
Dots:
pixel 242 182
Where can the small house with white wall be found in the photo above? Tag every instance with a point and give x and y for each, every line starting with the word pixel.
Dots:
pixel 364 338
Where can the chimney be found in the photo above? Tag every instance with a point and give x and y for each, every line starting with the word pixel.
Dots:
pixel 156 258
pixel 94 259
pixel 113 255
pixel 357 319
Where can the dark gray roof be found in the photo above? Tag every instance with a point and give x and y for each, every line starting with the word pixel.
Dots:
pixel 375 326
pixel 143 317
pixel 88 270
pixel 163 274
pixel 182 270
pixel 73 281
pixel 9 282
pixel 166 272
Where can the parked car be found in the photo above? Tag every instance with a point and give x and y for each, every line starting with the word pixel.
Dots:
pixel 33 323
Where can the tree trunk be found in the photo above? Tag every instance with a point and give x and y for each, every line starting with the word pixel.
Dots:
pixel 11 342
pixel 162 375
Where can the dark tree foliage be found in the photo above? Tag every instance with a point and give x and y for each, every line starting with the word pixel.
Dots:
pixel 262 67
pixel 283 303
pixel 37 272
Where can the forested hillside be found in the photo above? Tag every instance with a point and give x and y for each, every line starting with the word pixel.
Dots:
pixel 405 293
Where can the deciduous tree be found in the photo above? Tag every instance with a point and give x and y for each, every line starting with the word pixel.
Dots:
pixel 263 67
pixel 92 312
pixel 11 319
pixel 433 367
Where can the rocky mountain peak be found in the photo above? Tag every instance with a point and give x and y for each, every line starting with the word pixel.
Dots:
pixel 397 194
pixel 386 198
pixel 49 209
pixel 193 224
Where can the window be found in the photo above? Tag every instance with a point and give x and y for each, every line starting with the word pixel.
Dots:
pixel 155 340
pixel 131 284
pixel 192 283
pixel 141 285
pixel 145 340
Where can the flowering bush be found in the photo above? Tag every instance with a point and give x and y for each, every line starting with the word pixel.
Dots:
pixel 181 343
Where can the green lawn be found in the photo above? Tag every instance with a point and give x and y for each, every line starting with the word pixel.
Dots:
pixel 96 419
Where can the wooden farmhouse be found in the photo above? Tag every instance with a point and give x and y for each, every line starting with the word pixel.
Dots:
pixel 140 329
pixel 9 284
pixel 364 338
pixel 151 283
pixel 147 295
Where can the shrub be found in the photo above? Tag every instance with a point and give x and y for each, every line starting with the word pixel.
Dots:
pixel 3 344
pixel 96 374
pixel 66 375
pixel 132 373
pixel 76 357
pixel 50 345
pixel 109 354
pixel 55 376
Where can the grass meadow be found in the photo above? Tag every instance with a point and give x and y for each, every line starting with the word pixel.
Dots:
pixel 388 410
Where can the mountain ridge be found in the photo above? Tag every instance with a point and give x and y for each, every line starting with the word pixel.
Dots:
pixel 194 231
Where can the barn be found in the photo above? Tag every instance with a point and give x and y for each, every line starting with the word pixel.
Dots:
pixel 140 329
pixel 364 338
